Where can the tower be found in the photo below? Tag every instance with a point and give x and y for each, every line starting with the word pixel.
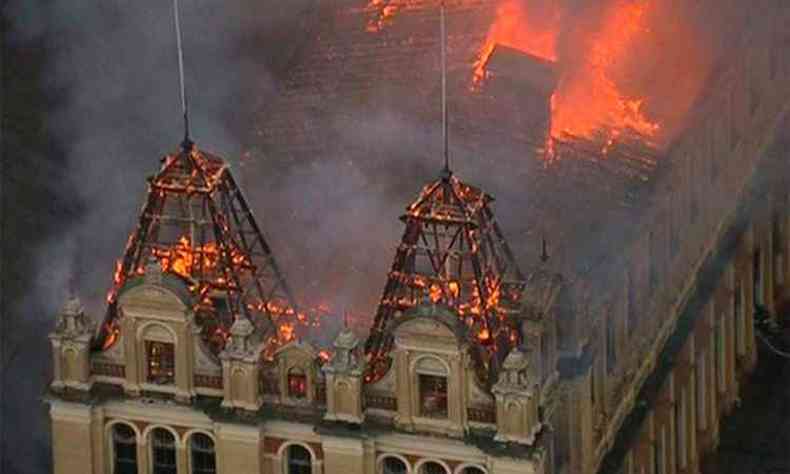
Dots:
pixel 453 253
pixel 197 225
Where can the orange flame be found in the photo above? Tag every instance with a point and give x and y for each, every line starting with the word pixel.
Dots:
pixel 113 333
pixel 515 28
pixel 589 99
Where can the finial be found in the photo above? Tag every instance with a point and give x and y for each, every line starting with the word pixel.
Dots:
pixel 187 144
pixel 153 271
pixel 544 254
pixel 446 173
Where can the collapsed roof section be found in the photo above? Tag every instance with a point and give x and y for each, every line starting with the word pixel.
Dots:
pixel 197 225
pixel 454 254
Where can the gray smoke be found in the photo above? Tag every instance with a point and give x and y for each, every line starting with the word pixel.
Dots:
pixel 110 77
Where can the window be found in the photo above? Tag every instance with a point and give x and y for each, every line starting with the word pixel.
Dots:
pixel 472 470
pixel 611 344
pixel 393 465
pixel 778 244
pixel 681 430
pixel 161 362
pixel 297 383
pixel 720 356
pixel 757 275
pixel 737 311
pixel 433 396
pixel 700 386
pixel 299 460
pixel 163 447
pixel 204 460
pixel 124 449
pixel 658 453
pixel 431 467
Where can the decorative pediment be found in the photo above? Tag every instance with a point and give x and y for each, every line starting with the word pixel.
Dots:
pixel 154 301
pixel 296 352
pixel 431 327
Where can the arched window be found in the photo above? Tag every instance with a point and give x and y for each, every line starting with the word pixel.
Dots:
pixel 160 358
pixel 393 465
pixel 431 467
pixel 124 449
pixel 433 396
pixel 297 383
pixel 757 275
pixel 299 460
pixel 204 460
pixel 472 470
pixel 163 451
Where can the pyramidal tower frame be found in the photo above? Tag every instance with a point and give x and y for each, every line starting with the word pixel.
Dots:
pixel 452 253
pixel 196 224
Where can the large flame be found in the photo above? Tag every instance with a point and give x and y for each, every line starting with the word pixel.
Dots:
pixel 516 28
pixel 589 101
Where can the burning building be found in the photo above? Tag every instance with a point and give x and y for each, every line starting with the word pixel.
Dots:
pixel 609 332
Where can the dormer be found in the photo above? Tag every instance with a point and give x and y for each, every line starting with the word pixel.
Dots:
pixel 158 324
pixel 430 360
pixel 297 373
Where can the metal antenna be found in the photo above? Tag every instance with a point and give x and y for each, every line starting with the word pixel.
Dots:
pixel 544 254
pixel 187 143
pixel 446 171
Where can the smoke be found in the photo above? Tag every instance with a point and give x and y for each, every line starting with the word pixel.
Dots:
pixel 107 89
pixel 113 109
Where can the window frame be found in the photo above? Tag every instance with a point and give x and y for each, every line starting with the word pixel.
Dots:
pixel 114 460
pixel 290 462
pixel 296 390
pixel 422 378
pixel 167 378
pixel 153 447
pixel 191 451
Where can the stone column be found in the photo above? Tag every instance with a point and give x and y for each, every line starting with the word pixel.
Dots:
pixel 505 465
pixel 184 363
pixel 238 449
pixel 132 357
pixel 516 394
pixel 343 455
pixel 71 342
pixel 241 367
pixel 403 388
pixel 344 380
pixel 72 443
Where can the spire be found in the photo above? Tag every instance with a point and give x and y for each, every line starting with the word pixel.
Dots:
pixel 187 143
pixel 445 137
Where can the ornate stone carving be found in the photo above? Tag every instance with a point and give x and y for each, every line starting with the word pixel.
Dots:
pixel 344 380
pixel 516 394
